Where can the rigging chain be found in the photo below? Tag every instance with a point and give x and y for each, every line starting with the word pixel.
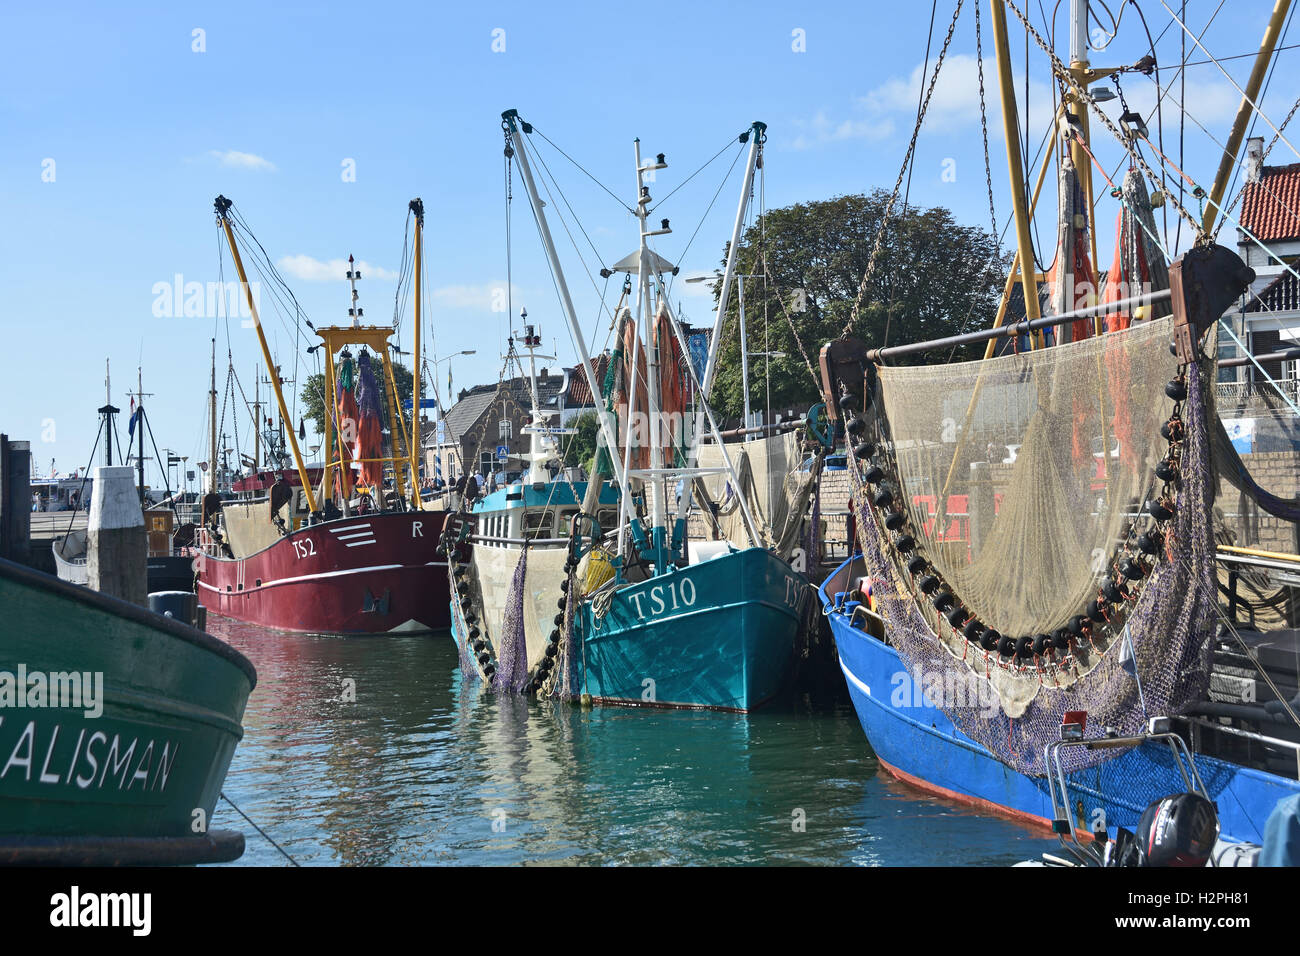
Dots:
pixel 898 183
pixel 984 128
pixel 1084 96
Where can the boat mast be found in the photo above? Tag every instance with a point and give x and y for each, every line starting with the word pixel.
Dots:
pixel 1249 98
pixel 223 207
pixel 1083 75
pixel 1011 128
pixel 417 207
pixel 757 134
pixel 646 316
pixel 513 125
pixel 108 411
pixel 212 425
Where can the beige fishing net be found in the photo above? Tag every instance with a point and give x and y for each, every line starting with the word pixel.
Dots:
pixel 772 485
pixel 1021 474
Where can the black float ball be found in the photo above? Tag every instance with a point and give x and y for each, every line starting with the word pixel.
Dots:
pixel 1025 647
pixel 1131 569
pixel 916 565
pixel 894 520
pixel 956 615
pixel 972 630
pixel 1166 470
pixel 1095 612
pixel 1158 510
pixel 928 584
pixel 551 650
pixel 883 498
pixel 864 449
pixel 905 543
pixel 942 601
pixel 1006 645
pixel 990 639
pixel 1176 390
pixel 1061 639
pixel 1041 644
pixel 1112 592
pixel 559 619
pixel 874 475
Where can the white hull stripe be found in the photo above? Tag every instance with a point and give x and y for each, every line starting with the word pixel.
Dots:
pixel 316 577
pixel 357 544
pixel 854 679
pixel 357 534
pixel 364 526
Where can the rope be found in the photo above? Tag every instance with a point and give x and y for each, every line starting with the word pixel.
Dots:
pixel 259 829
pixel 898 183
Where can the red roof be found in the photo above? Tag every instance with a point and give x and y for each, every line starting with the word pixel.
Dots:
pixel 1270 208
pixel 579 394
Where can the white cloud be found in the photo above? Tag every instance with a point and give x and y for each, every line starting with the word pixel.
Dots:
pixel 313 270
pixel 484 295
pixel 238 160
pixel 954 106
pixel 821 129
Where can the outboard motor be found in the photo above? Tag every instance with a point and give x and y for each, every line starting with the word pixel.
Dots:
pixel 1178 830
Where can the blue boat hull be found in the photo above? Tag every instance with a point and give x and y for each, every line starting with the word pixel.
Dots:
pixel 918 743
pixel 718 635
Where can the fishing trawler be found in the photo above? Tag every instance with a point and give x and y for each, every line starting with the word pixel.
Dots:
pixel 997 608
pixel 505 594
pixel 356 553
pixel 642 617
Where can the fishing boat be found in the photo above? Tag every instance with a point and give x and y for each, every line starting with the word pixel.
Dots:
pixel 356 554
pixel 998 606
pixel 117 728
pixel 642 617
pixel 520 537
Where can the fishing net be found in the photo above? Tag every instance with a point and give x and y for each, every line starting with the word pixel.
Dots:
pixel 772 485
pixel 1022 533
pixel 512 652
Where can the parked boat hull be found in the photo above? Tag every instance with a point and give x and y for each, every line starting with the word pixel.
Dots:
pixel 373 574
pixel 918 743
pixel 717 635
pixel 127 776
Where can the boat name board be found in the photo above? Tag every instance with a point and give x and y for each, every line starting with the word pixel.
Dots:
pixel 122 761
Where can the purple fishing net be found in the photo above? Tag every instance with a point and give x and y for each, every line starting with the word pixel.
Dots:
pixel 1171 626
pixel 512 647
pixel 367 389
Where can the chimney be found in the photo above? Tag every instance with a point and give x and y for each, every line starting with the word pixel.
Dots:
pixel 1254 158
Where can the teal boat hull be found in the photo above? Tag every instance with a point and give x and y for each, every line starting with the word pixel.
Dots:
pixel 719 635
pixel 131 774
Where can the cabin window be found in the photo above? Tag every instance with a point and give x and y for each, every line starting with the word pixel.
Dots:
pixel 486 463
pixel 608 519
pixel 537 524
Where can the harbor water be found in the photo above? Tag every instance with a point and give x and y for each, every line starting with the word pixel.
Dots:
pixel 376 751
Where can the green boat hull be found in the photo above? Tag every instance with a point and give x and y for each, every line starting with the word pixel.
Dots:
pixel 131 777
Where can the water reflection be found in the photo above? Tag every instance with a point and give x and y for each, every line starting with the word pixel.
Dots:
pixel 377 751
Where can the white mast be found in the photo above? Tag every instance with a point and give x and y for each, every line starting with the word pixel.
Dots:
pixel 509 120
pixel 540 447
pixel 757 135
pixel 646 314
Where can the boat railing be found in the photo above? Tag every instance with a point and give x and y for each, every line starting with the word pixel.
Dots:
pixel 1204 723
pixel 1064 823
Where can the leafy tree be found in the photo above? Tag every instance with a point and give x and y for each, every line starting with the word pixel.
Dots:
pixel 313 395
pixel 581 448
pixel 932 279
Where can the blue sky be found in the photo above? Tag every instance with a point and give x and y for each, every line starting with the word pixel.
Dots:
pixel 143 131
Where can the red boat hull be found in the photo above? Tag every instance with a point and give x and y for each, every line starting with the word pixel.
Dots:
pixel 373 574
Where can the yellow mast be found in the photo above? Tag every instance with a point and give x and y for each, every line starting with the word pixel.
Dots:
pixel 1229 160
pixel 417 207
pixel 1011 126
pixel 223 208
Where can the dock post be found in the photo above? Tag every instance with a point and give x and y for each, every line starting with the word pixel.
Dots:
pixel 15 499
pixel 117 546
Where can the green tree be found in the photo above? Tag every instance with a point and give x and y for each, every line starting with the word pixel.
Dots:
pixel 581 447
pixel 313 395
pixel 932 279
